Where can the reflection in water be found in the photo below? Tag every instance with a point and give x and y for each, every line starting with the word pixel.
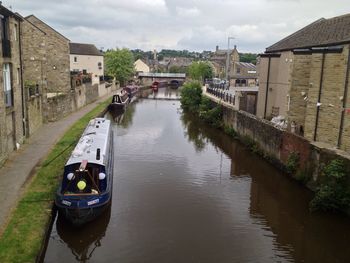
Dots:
pixel 185 192
pixel 123 118
pixel 82 241
pixel 280 204
pixel 164 94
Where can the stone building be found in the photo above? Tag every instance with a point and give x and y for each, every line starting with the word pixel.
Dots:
pixel 244 75
pixel 219 58
pixel 34 62
pixel 305 77
pixel 86 58
pixel 46 58
pixel 12 111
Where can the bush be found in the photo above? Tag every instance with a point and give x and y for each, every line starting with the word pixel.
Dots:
pixel 230 131
pixel 292 162
pixel 333 194
pixel 191 96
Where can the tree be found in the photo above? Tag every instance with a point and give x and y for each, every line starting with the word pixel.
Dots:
pixel 200 70
pixel 119 63
pixel 191 96
pixel 248 57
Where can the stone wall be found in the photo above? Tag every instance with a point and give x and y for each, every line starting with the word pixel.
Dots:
pixel 57 56
pixel 277 145
pixel 34 73
pixel 59 106
pixel 299 90
pixel 91 93
pixel 11 117
pixel 34 113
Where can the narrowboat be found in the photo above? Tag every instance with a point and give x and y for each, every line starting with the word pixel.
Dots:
pixel 159 84
pixel 131 90
pixel 119 102
pixel 154 86
pixel 87 183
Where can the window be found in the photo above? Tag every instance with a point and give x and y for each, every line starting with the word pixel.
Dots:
pixel 6 74
pixel 15 33
pixel 18 76
pixel 238 71
pixel 75 59
pixel 99 64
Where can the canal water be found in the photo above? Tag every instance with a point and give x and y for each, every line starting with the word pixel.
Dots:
pixel 184 192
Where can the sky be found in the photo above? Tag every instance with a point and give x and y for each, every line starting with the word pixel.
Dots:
pixel 193 25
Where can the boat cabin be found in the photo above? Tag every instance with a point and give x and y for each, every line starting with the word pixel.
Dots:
pixel 85 172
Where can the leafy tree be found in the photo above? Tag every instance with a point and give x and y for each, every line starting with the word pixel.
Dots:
pixel 177 69
pixel 200 70
pixel 248 57
pixel 191 96
pixel 119 64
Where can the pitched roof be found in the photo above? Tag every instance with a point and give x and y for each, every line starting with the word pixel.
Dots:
pixel 249 66
pixel 28 18
pixel 322 32
pixel 84 49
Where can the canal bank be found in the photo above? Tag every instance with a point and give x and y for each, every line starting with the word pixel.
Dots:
pixel 25 227
pixel 316 165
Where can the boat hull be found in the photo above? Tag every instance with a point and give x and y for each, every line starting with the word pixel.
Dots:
pixel 80 216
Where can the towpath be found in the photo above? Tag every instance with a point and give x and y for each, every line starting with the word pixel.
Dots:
pixel 21 164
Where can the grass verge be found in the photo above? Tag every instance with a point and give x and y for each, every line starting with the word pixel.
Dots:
pixel 23 236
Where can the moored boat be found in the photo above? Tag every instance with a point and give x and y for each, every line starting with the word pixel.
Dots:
pixel 131 90
pixel 86 188
pixel 119 102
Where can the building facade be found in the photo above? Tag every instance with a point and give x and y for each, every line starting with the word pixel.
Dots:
pixel 34 60
pixel 306 77
pixel 219 60
pixel 86 58
pixel 141 66
pixel 12 112
pixel 57 57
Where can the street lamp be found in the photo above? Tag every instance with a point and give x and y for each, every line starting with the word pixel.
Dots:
pixel 228 55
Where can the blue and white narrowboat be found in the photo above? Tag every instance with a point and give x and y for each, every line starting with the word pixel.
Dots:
pixel 86 188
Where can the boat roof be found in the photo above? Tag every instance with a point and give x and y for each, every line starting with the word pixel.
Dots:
pixel 95 136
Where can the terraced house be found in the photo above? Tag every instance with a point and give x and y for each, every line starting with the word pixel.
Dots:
pixel 305 77
pixel 12 127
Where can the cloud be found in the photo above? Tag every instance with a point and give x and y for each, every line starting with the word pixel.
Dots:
pixel 178 24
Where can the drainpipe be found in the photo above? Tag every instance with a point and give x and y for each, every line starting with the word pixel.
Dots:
pixel 21 73
pixel 267 86
pixel 319 94
pixel 344 100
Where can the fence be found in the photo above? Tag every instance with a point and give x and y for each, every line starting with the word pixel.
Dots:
pixel 222 94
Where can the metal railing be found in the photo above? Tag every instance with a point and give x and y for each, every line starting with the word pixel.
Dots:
pixel 222 94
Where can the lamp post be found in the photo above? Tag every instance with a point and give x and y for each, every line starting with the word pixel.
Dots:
pixel 228 55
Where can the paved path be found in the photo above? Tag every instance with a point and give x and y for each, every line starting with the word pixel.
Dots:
pixel 18 168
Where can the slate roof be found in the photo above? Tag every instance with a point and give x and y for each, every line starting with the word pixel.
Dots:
pixel 84 49
pixel 322 32
pixel 249 66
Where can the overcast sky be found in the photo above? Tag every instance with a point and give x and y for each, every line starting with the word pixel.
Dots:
pixel 179 24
